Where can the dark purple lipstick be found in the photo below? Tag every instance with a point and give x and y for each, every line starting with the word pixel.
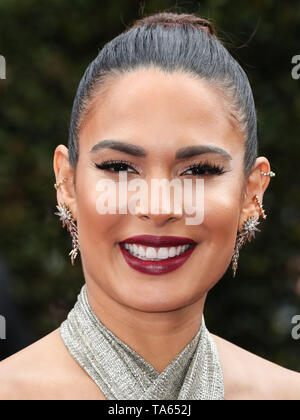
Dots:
pixel 155 255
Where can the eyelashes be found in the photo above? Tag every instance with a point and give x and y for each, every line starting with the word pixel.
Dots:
pixel 204 168
pixel 117 166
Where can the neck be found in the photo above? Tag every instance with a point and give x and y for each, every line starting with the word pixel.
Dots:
pixel 156 336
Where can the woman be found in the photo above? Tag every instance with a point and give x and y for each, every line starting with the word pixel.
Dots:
pixel 163 101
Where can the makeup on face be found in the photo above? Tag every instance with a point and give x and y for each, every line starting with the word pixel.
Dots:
pixel 157 255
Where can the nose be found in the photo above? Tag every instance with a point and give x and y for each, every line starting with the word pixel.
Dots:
pixel 159 219
pixel 162 206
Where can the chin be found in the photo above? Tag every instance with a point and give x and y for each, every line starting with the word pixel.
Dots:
pixel 156 298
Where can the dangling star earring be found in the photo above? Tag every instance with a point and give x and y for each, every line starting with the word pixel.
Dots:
pixel 67 219
pixel 247 234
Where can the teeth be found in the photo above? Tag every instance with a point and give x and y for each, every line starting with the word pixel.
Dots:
pixel 155 254
pixel 151 253
pixel 172 252
pixel 163 253
pixel 142 253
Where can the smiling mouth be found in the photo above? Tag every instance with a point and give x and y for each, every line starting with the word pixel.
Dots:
pixel 156 254
pixel 148 253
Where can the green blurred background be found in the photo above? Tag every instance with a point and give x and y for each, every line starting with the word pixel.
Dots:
pixel 47 46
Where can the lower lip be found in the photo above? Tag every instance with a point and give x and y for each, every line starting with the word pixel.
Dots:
pixel 156 267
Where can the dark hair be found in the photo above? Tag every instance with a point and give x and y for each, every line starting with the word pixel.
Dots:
pixel 170 41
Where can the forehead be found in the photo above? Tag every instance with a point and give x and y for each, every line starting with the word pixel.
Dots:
pixel 148 103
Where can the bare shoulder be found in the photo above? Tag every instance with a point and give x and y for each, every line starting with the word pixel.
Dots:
pixel 45 370
pixel 250 377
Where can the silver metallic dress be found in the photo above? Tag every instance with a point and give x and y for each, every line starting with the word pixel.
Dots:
pixel 122 374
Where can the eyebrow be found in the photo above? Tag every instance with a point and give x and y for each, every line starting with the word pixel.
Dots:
pixel 128 148
pixel 183 153
pixel 190 151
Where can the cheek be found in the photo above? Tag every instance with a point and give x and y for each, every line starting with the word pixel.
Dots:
pixel 217 234
pixel 221 212
pixel 221 215
pixel 97 232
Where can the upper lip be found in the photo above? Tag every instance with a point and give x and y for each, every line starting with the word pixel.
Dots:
pixel 159 241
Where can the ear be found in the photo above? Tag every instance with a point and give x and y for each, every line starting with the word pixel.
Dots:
pixel 66 192
pixel 256 183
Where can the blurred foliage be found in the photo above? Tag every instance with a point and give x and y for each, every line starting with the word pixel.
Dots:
pixel 47 46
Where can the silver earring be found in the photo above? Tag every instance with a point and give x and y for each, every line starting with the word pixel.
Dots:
pixel 247 233
pixel 68 220
pixel 270 174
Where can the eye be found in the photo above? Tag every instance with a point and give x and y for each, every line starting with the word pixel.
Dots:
pixel 205 168
pixel 116 166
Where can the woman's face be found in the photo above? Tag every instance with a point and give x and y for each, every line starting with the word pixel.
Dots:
pixel 161 114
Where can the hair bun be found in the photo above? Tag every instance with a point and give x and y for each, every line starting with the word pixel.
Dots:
pixel 175 19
